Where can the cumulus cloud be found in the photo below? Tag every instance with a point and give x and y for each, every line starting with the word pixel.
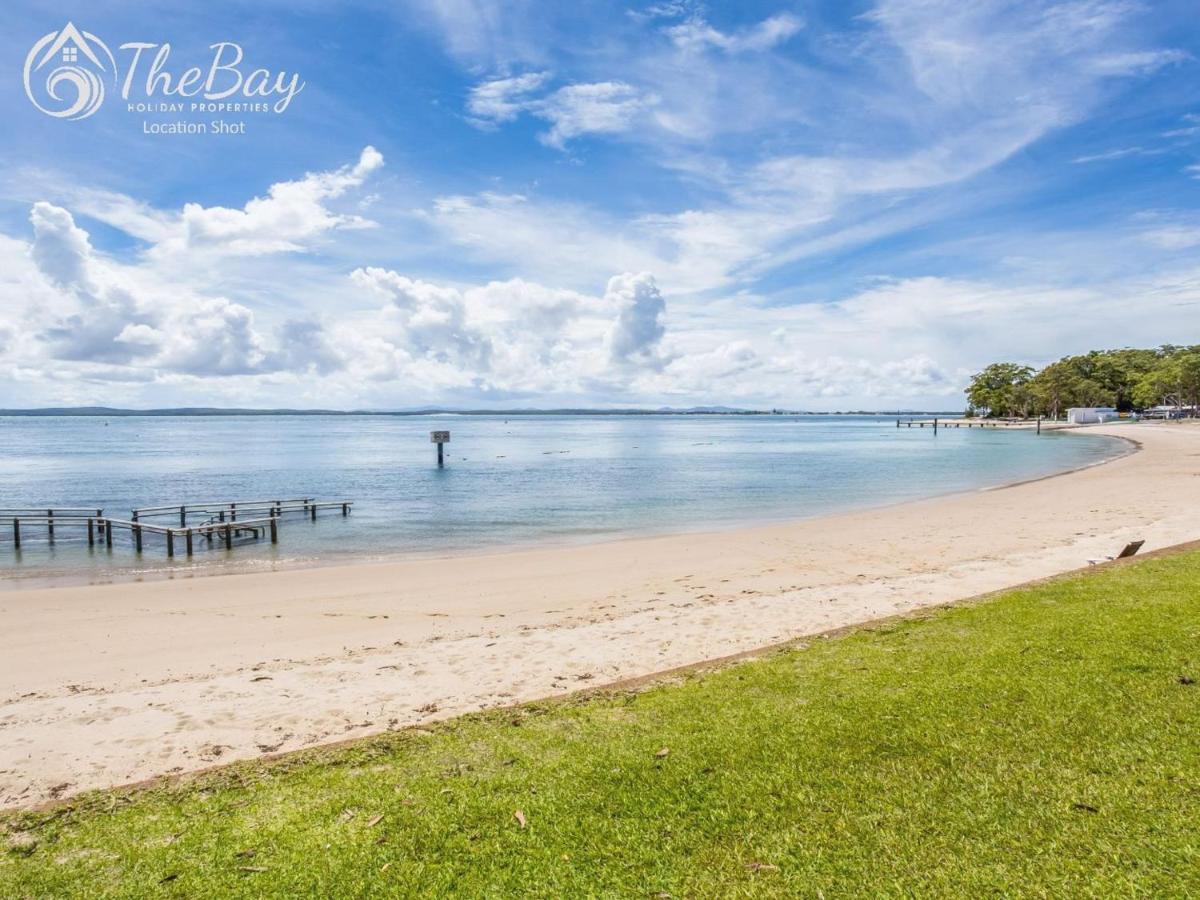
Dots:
pixel 107 316
pixel 636 335
pixel 429 320
pixel 292 213
pixel 61 249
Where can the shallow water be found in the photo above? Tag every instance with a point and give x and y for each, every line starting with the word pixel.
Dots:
pixel 508 481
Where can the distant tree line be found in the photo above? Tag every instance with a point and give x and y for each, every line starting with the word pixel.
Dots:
pixel 1124 379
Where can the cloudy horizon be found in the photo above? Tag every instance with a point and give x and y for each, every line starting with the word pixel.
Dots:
pixel 483 204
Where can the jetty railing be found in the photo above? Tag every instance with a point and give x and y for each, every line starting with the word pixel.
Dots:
pixel 220 509
pixel 222 522
pixel 226 531
pixel 49 517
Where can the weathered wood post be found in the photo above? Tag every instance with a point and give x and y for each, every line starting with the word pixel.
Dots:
pixel 137 537
pixel 50 524
pixel 17 533
pixel 183 517
pixel 935 425
pixel 170 542
pixel 232 512
pixel 439 438
pixel 228 536
pixel 314 512
pixel 345 509
pixel 1039 425
pixel 108 530
pixel 188 538
pixel 274 529
pixel 91 533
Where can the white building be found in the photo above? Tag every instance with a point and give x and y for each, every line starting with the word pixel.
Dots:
pixel 1090 415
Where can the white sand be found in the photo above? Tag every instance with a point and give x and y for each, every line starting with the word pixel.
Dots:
pixel 103 685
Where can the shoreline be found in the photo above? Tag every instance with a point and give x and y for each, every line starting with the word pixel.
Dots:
pixel 113 684
pixel 43 579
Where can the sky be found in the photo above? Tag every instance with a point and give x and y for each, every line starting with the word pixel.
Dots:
pixel 479 204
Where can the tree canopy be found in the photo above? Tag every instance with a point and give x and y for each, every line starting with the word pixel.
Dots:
pixel 1127 379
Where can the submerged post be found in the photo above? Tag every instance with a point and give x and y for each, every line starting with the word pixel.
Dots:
pixel 274 529
pixel 439 438
pixel 17 533
pixel 1039 425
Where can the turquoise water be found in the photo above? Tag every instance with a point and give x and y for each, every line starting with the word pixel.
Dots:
pixel 508 482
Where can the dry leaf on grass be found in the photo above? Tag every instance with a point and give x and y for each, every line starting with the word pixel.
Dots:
pixel 520 817
pixel 374 820
pixel 662 754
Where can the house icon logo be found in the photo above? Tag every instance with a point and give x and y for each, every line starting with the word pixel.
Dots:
pixel 76 65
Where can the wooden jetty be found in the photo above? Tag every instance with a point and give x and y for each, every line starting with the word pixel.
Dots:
pixel 222 509
pixel 222 521
pixel 50 517
pixel 937 422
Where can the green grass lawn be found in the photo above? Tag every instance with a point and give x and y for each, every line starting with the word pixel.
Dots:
pixel 1043 743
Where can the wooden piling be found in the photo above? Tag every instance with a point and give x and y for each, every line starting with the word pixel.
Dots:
pixel 91 534
pixel 137 537
pixel 188 538
pixel 274 529
pixel 50 524
pixel 170 543
pixel 17 533
pixel 228 537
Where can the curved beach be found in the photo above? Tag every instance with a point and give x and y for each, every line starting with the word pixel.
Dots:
pixel 110 684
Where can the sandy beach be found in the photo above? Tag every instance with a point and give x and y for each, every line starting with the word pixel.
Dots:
pixel 110 684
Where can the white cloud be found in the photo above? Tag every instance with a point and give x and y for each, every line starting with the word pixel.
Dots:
pixel 696 34
pixel 503 99
pixel 60 249
pixel 637 333
pixel 606 107
pixel 292 213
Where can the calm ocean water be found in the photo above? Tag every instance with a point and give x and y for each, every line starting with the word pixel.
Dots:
pixel 509 481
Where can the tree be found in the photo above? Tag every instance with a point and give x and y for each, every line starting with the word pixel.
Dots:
pixel 1161 385
pixel 1001 388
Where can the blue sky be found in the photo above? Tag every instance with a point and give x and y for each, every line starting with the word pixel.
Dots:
pixel 815 205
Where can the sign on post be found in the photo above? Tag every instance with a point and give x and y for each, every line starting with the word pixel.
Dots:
pixel 439 438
